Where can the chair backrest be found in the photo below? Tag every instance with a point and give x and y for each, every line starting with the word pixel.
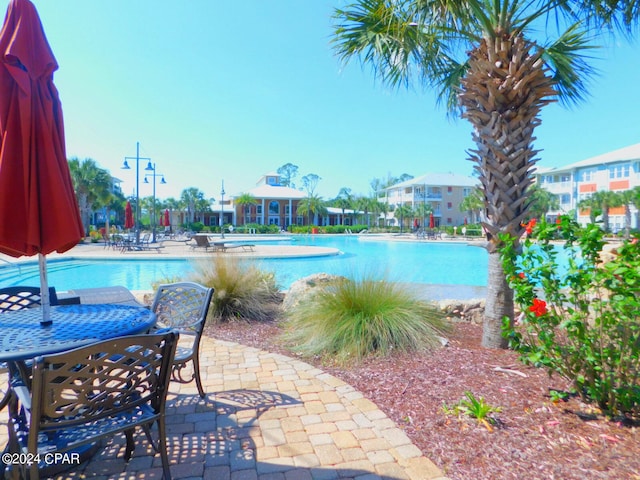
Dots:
pixel 202 240
pixel 21 297
pixel 101 380
pixel 182 306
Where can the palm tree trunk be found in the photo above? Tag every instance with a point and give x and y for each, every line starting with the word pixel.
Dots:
pixel 499 304
pixel 502 95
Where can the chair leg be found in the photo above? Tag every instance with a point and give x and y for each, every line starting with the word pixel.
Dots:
pixel 131 445
pixel 196 373
pixel 162 446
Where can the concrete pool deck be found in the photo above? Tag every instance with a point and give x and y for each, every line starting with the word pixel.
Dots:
pixel 172 249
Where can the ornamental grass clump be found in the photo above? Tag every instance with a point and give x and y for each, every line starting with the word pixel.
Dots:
pixel 241 289
pixel 348 320
pixel 580 314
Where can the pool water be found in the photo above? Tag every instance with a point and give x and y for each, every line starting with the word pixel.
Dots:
pixel 436 263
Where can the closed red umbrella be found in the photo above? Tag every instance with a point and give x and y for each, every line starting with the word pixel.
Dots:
pixel 432 221
pixel 38 206
pixel 161 220
pixel 128 216
pixel 167 220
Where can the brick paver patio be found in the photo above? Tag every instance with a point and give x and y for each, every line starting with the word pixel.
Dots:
pixel 266 417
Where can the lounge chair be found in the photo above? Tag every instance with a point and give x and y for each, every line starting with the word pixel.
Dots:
pixel 201 241
pixel 247 247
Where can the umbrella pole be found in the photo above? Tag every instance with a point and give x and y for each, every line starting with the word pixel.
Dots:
pixel 44 292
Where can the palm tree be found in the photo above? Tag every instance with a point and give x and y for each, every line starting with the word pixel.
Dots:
pixel 627 198
pixel 402 213
pixel 542 201
pixel 591 204
pixel 423 210
pixel 311 206
pixel 473 204
pixel 598 204
pixel 193 201
pixel 343 201
pixel 244 200
pixel 91 183
pixel 485 62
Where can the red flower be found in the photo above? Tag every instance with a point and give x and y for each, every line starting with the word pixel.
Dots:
pixel 529 226
pixel 539 307
pixel 522 275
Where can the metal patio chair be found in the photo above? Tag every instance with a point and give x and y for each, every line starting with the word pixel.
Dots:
pixel 18 298
pixel 183 307
pixel 86 394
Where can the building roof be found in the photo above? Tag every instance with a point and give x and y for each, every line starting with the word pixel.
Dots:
pixel 632 152
pixel 275 192
pixel 439 179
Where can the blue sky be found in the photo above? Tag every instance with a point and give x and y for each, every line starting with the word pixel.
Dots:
pixel 230 90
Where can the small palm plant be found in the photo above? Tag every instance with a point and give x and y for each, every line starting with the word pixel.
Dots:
pixel 475 407
pixel 241 289
pixel 348 320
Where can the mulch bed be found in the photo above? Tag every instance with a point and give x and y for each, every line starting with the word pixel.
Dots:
pixel 532 436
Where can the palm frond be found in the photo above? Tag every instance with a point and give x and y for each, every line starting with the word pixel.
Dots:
pixel 381 35
pixel 570 65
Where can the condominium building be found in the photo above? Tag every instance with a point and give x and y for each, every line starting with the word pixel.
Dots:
pixel 613 171
pixel 443 192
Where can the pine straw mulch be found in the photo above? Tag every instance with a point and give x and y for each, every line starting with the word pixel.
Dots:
pixel 532 437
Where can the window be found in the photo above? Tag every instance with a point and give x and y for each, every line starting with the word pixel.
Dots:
pixel 619 171
pixel 272 180
pixel 565 199
pixel 586 175
pixel 449 189
pixel 259 209
pixel 466 191
pixel 274 208
pixel 449 205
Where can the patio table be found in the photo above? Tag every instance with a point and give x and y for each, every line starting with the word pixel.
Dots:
pixel 72 326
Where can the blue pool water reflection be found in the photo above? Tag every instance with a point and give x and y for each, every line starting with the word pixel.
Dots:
pixel 438 263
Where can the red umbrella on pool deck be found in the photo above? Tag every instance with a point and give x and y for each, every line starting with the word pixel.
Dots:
pixel 128 216
pixel 167 220
pixel 432 221
pixel 38 206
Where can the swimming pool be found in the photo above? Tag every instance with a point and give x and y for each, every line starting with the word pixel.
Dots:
pixel 435 263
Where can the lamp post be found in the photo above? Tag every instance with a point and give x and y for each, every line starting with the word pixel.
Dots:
pixel 222 211
pixel 126 166
pixel 152 167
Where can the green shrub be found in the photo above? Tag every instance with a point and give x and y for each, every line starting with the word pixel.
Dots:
pixel 351 319
pixel 580 314
pixel 241 289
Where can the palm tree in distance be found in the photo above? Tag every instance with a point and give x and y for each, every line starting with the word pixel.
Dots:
pixel 485 62
pixel 92 185
pixel 311 206
pixel 244 200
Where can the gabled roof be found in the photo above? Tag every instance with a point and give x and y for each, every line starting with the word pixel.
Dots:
pixel 438 179
pixel 632 152
pixel 276 192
